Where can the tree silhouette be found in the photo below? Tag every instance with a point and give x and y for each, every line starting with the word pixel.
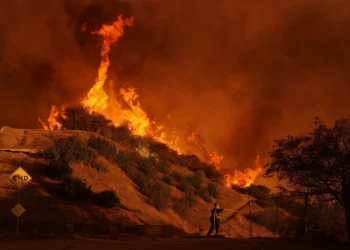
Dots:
pixel 317 162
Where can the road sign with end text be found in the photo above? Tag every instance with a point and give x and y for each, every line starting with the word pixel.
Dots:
pixel 20 177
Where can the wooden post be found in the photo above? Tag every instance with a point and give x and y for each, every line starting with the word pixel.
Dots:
pixel 250 216
pixel 306 215
pixel 276 229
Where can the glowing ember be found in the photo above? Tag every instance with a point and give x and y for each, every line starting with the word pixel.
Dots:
pixel 246 177
pixel 51 122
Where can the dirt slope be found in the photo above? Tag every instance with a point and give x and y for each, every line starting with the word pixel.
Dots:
pixel 44 208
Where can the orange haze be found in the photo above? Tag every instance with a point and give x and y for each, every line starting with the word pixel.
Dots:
pixel 243 73
pixel 97 100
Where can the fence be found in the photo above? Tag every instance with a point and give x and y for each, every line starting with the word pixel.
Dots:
pixel 296 216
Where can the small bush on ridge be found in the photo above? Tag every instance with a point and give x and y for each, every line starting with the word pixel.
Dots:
pixel 107 199
pixel 59 170
pixel 182 206
pixel 74 189
pixel 204 194
pixel 169 180
pixel 213 190
pixel 103 147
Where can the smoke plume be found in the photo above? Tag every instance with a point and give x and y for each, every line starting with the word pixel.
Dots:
pixel 241 72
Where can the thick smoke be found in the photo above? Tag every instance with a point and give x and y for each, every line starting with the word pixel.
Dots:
pixel 242 72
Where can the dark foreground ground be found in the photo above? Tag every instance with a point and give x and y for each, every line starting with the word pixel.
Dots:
pixel 158 244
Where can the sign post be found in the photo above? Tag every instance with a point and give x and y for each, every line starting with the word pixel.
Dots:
pixel 19 178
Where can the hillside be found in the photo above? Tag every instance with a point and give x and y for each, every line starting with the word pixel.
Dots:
pixel 46 210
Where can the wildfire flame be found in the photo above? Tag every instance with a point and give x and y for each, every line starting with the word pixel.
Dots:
pixel 127 110
pixel 97 99
pixel 213 159
pixel 246 177
pixel 51 122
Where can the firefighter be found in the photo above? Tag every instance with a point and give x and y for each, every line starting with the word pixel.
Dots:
pixel 215 219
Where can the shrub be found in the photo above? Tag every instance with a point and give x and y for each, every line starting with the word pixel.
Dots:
pixel 121 134
pixel 259 191
pixel 196 180
pixel 74 189
pixel 182 206
pixel 191 161
pixel 239 189
pixel 145 165
pixel 177 176
pixel 103 147
pixel 79 118
pixel 204 194
pixel 164 152
pixel 59 170
pixel 69 149
pixel 169 179
pixel 143 182
pixel 256 191
pixel 163 167
pixel 184 185
pixel 160 196
pixel 212 174
pixel 107 199
pixel 213 190
pixel 126 159
pixel 100 167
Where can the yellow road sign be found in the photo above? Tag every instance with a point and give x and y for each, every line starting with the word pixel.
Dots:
pixel 18 210
pixel 20 177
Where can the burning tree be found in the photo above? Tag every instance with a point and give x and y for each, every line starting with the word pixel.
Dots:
pixel 317 162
